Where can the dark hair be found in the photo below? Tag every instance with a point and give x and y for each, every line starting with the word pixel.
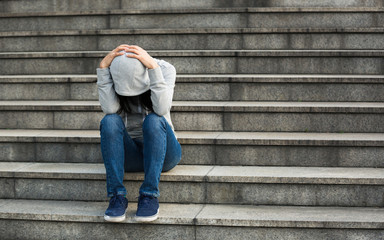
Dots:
pixel 144 99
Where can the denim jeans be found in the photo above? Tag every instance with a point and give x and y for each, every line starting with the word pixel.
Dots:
pixel 157 151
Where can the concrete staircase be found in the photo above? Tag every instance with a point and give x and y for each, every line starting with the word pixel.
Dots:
pixel 278 105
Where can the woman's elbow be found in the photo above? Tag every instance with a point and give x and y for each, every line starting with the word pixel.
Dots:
pixel 109 110
pixel 161 111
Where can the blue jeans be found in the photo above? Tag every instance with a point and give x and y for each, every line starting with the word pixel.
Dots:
pixel 157 151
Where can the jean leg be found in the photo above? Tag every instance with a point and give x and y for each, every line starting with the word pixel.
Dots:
pixel 115 145
pixel 173 154
pixel 161 150
pixel 134 156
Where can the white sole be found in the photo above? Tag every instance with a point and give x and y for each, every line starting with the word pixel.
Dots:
pixel 114 219
pixel 147 219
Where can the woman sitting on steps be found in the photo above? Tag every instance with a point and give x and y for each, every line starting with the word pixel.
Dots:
pixel 135 93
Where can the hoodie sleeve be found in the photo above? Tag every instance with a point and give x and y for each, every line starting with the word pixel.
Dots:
pixel 107 96
pixel 162 83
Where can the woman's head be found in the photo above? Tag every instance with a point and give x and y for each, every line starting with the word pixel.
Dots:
pixel 129 75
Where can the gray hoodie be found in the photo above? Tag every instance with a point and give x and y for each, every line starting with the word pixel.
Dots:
pixel 161 83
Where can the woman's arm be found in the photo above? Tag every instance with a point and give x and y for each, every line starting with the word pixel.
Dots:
pixel 162 84
pixel 162 77
pixel 107 95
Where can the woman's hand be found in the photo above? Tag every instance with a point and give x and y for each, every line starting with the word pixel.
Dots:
pixel 142 56
pixel 107 60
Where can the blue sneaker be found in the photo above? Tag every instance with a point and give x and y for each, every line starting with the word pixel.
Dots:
pixel 116 210
pixel 147 209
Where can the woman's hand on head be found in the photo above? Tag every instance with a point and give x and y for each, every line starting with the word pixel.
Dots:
pixel 107 60
pixel 142 56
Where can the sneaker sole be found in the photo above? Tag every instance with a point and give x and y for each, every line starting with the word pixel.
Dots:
pixel 114 219
pixel 147 219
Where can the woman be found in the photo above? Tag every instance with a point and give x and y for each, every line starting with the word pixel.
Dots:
pixel 135 93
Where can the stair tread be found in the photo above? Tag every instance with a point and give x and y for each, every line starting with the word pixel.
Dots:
pixel 202 214
pixel 204 173
pixel 91 78
pixel 200 30
pixel 208 106
pixel 207 137
pixel 205 53
pixel 201 103
pixel 199 11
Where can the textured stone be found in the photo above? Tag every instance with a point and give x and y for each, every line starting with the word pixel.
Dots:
pixel 210 121
pixel 208 18
pixel 329 65
pixel 77 120
pixel 87 181
pixel 209 62
pixel 17 151
pixel 56 170
pixel 296 194
pixel 173 41
pixel 65 5
pixel 191 173
pixel 85 230
pixel 314 175
pixel 7 186
pixel 60 190
pixel 231 39
pixel 26 120
pixel 83 91
pixel 291 149
pixel 290 216
pixel 54 23
pixel 212 215
pixel 216 88
pixel 202 91
pixel 303 122
pixel 306 20
pixel 249 3
pixel 198 154
pixel 64 211
pixel 77 218
pixel 182 192
pixel 83 190
pixel 211 20
pixel 306 92
pixel 299 156
pixel 299 138
pixel 251 233
pixel 7 169
pixel 70 5
pixel 33 91
pixel 50 43
pixel 73 152
pixel 207 184
pixel 47 66
pixel 44 91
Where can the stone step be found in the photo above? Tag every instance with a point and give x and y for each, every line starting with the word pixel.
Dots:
pixel 229 87
pixel 208 148
pixel 196 18
pixel 208 116
pixel 308 186
pixel 207 62
pixel 43 219
pixel 195 39
pixel 84 5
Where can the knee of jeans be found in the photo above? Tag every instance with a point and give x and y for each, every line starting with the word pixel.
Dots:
pixel 111 123
pixel 152 122
pixel 169 165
